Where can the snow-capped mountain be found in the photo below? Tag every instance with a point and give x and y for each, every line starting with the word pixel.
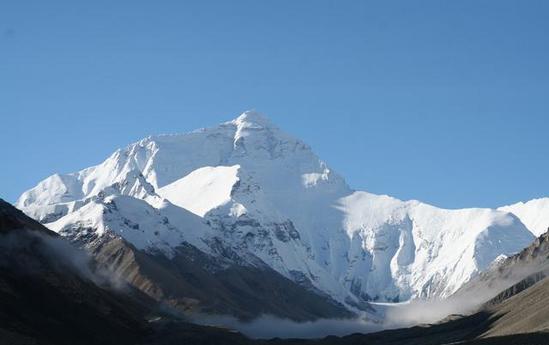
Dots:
pixel 247 186
pixel 534 214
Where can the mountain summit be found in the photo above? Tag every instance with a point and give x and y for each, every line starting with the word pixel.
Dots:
pixel 246 193
pixel 252 118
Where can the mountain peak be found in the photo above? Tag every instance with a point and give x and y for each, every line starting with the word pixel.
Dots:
pixel 252 118
pixel 258 130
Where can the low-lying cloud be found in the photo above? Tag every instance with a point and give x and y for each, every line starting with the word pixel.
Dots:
pixel 394 315
pixel 267 326
pixel 31 252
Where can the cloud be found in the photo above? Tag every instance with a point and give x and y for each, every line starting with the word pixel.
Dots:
pixel 32 252
pixel 268 326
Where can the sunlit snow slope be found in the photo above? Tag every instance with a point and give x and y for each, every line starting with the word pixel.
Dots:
pixel 259 191
pixel 534 214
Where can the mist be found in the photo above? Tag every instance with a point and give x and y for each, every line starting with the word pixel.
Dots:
pixel 389 315
pixel 393 315
pixel 268 326
pixel 33 252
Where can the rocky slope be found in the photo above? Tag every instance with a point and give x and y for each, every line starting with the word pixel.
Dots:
pixel 530 264
pixel 196 283
pixel 52 293
pixel 147 247
pixel 47 292
pixel 247 188
pixel 517 315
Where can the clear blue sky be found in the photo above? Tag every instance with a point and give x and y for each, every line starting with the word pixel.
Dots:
pixel 442 101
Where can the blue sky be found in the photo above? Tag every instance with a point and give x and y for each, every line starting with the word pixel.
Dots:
pixel 442 101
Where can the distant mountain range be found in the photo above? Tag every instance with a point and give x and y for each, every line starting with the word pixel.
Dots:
pixel 244 219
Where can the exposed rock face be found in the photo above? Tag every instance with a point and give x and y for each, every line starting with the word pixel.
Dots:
pixel 194 282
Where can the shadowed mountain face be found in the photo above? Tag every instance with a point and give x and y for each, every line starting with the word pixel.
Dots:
pixel 47 297
pixel 193 282
pixel 50 295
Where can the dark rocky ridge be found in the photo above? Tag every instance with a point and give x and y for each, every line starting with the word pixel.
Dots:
pixel 45 299
pixel 194 282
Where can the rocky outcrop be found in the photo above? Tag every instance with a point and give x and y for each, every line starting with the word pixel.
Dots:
pixel 194 283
